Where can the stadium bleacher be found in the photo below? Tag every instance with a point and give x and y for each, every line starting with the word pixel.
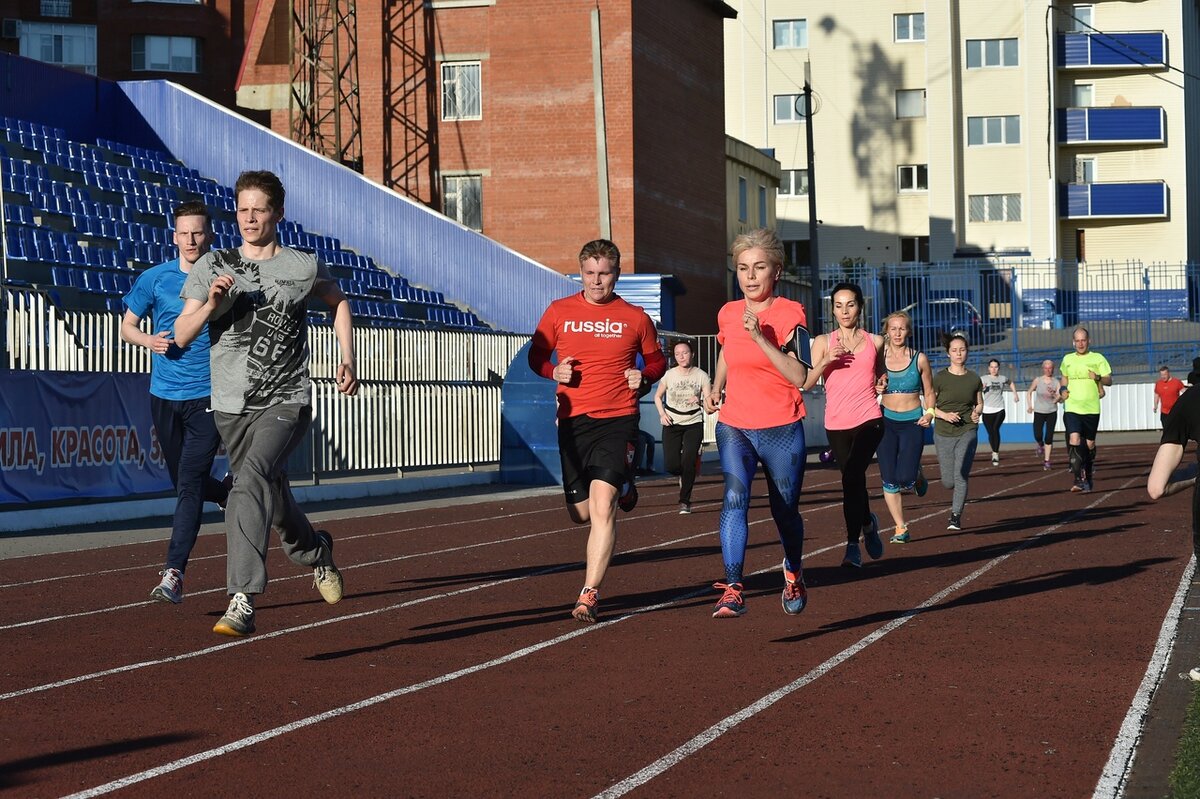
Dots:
pixel 82 219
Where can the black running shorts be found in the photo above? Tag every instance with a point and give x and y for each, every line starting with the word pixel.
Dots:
pixel 1085 424
pixel 595 449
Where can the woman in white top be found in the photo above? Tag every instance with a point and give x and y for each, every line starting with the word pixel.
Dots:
pixel 680 402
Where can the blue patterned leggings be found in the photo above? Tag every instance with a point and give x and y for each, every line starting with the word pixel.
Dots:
pixel 782 454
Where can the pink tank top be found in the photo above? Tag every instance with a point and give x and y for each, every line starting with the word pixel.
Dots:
pixel 850 397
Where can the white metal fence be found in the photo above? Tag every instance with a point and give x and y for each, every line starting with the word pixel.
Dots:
pixel 429 398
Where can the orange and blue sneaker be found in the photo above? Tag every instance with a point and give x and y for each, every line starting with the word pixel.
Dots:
pixel 629 499
pixel 585 607
pixel 731 605
pixel 795 595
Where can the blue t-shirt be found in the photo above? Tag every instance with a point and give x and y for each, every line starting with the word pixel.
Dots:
pixel 178 374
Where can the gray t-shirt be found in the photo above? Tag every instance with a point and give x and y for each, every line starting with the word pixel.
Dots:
pixel 993 392
pixel 259 354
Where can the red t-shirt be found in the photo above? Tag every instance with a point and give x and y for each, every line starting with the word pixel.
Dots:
pixel 1168 391
pixel 605 341
pixel 757 396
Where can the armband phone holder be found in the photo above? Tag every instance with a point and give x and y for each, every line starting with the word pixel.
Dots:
pixel 800 345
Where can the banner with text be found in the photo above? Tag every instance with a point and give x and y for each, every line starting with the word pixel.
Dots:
pixel 67 435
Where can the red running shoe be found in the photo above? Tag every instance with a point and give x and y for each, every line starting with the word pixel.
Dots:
pixel 585 607
pixel 731 605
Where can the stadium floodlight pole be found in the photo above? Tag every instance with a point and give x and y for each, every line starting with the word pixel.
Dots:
pixel 813 259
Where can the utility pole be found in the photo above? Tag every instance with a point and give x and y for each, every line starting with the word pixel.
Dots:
pixel 813 259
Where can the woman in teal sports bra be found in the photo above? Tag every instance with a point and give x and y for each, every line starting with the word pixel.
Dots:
pixel 906 391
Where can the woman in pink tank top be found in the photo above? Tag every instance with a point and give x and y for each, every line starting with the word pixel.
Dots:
pixel 848 360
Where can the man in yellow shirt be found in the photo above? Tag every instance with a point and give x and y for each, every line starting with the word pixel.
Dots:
pixel 1084 373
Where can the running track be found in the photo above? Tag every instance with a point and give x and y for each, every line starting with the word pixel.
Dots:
pixel 1002 660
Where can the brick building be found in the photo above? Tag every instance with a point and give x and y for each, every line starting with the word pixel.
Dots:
pixel 195 44
pixel 543 123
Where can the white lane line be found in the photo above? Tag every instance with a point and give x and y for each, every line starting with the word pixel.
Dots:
pixel 433 682
pixel 1115 776
pixel 340 538
pixel 384 561
pixel 267 735
pixel 726 724
pixel 352 616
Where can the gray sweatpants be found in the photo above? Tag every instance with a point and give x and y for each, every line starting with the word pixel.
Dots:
pixel 955 455
pixel 259 443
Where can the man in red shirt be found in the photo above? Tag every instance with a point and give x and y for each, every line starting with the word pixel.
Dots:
pixel 1166 390
pixel 598 337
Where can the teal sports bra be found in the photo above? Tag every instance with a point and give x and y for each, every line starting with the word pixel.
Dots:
pixel 907 380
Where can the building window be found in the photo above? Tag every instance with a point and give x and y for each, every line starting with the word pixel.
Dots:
pixel 789 108
pixel 462 94
pixel 762 206
pixel 994 207
pixel 796 253
pixel 462 198
pixel 910 103
pixel 68 46
pixel 910 27
pixel 1085 170
pixel 913 177
pixel 914 249
pixel 166 54
pixel 743 201
pixel 56 8
pixel 793 181
pixel 993 130
pixel 991 53
pixel 1083 95
pixel 791 34
pixel 1080 19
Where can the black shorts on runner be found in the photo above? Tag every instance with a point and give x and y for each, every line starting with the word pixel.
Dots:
pixel 595 449
pixel 1085 424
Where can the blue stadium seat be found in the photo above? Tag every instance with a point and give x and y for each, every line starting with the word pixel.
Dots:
pixel 61 276
pixel 15 244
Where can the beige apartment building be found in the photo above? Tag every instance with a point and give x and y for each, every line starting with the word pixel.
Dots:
pixel 967 130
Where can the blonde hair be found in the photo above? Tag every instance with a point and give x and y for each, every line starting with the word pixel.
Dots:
pixel 887 320
pixel 764 239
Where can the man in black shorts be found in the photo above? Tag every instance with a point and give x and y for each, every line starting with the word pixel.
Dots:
pixel 598 337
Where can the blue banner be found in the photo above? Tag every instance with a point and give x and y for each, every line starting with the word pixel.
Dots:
pixel 73 435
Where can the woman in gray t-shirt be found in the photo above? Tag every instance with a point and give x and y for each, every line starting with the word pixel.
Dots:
pixel 994 386
pixel 1042 401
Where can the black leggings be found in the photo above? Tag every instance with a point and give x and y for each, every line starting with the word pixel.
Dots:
pixel 681 447
pixel 992 422
pixel 1043 427
pixel 853 450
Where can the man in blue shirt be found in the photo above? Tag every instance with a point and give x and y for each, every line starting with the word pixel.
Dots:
pixel 179 391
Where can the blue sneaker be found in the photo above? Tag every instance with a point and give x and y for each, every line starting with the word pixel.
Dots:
pixel 872 540
pixel 795 595
pixel 922 485
pixel 852 558
pixel 901 535
pixel 731 605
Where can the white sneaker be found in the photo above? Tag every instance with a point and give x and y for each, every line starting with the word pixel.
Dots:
pixel 239 618
pixel 170 589
pixel 327 579
pixel 995 459
pixel 1195 674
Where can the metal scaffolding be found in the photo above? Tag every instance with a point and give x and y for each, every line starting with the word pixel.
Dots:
pixel 324 106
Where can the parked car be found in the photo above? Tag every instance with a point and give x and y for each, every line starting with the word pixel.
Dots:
pixel 933 320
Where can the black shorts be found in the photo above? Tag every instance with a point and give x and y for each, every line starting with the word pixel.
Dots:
pixel 595 449
pixel 1085 424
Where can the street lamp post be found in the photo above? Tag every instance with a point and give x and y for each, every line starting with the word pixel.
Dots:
pixel 813 260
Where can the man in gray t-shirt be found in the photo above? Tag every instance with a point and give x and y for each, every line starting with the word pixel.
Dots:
pixel 254 300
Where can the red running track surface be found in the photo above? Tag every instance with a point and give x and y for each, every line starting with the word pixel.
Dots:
pixel 996 661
